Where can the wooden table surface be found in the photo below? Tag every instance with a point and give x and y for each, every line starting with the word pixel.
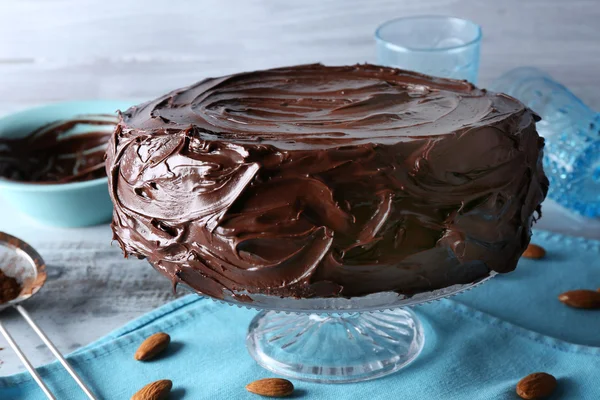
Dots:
pixel 63 50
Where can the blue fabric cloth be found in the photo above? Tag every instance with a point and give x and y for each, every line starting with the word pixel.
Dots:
pixel 478 344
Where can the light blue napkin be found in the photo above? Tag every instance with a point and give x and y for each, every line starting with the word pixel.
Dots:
pixel 478 344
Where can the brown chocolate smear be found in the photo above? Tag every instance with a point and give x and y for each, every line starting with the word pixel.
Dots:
pixel 51 155
pixel 9 288
pixel 315 181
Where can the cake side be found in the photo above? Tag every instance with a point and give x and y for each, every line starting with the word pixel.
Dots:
pixel 327 211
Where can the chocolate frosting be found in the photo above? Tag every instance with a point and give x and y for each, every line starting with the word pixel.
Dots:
pixel 51 154
pixel 326 181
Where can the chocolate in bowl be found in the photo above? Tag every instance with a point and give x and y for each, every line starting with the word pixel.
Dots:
pixel 53 154
pixel 65 191
pixel 315 181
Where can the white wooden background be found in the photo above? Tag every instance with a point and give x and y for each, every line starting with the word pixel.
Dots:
pixel 122 49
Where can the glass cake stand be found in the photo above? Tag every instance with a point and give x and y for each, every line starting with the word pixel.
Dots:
pixel 338 340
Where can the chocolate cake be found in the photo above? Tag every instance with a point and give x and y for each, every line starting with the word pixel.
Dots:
pixel 317 181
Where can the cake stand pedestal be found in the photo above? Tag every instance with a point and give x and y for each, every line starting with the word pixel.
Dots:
pixel 338 340
pixel 335 348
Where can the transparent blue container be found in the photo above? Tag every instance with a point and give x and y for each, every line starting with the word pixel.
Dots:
pixel 572 133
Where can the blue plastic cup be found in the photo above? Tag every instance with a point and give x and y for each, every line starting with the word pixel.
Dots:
pixel 434 45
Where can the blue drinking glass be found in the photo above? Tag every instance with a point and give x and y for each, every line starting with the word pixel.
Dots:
pixel 572 134
pixel 433 45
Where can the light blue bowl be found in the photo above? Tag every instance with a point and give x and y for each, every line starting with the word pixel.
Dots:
pixel 67 204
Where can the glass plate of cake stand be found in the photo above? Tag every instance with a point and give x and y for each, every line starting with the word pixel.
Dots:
pixel 338 340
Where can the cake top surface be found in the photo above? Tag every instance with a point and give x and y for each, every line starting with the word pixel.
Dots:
pixel 321 106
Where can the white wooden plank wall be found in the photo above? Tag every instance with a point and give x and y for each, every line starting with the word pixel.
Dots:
pixel 65 49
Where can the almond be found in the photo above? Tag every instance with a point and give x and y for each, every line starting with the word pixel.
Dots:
pixel 271 387
pixel 534 251
pixel 152 346
pixel 158 390
pixel 581 298
pixel 536 386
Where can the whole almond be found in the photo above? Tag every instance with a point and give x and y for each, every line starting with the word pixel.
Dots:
pixel 158 390
pixel 152 346
pixel 271 387
pixel 581 298
pixel 536 386
pixel 534 251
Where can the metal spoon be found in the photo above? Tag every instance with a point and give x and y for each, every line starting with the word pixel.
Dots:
pixel 21 261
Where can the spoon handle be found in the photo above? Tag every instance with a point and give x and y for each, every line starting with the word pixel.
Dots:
pixel 26 362
pixel 54 351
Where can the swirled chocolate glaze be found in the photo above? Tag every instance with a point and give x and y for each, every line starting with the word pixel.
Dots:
pixel 326 181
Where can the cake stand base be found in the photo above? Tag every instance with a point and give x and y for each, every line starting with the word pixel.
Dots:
pixel 335 348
